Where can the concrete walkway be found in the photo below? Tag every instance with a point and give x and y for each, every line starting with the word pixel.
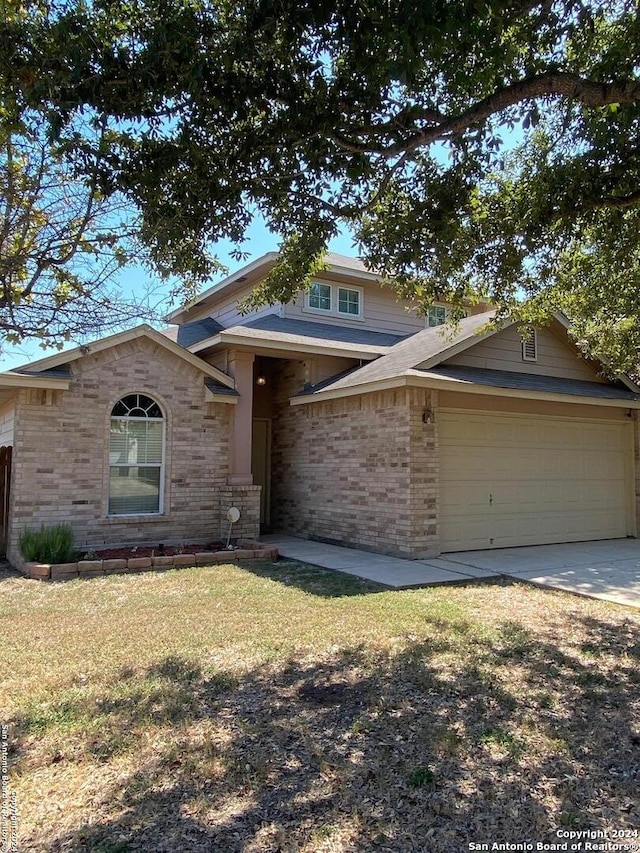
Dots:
pixel 607 569
pixel 393 572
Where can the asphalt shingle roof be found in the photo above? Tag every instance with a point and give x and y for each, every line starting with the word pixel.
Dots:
pixel 292 330
pixel 410 352
pixel 192 333
pixel 531 382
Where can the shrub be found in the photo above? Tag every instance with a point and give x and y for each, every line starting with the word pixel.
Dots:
pixel 47 545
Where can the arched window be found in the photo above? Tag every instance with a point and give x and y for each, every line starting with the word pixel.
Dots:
pixel 136 456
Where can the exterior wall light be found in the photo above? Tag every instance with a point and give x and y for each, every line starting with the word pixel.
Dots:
pixel 261 379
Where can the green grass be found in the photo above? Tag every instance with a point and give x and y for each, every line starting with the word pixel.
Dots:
pixel 281 707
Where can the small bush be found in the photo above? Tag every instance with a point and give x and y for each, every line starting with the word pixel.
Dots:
pixel 47 545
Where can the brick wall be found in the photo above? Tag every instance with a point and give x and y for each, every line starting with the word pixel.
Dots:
pixel 61 456
pixel 247 500
pixel 358 470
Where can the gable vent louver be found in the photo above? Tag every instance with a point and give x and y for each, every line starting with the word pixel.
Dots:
pixel 530 346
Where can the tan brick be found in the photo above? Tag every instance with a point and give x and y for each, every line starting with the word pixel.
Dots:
pixel 205 558
pixel 161 562
pixel 138 564
pixel 184 560
pixel 39 570
pixel 57 573
pixel 85 566
pixel 63 450
pixel 114 566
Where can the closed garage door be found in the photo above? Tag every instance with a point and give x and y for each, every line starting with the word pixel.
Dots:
pixel 509 480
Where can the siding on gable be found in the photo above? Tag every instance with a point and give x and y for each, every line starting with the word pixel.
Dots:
pixel 503 351
pixel 226 310
pixel 383 311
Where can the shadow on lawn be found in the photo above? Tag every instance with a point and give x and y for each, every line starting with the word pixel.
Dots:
pixel 326 583
pixel 396 751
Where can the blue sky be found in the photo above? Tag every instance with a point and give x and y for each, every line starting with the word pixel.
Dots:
pixel 136 280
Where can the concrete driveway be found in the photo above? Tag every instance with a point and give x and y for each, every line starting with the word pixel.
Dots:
pixel 607 569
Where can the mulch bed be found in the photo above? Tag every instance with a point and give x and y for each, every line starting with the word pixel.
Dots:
pixel 155 551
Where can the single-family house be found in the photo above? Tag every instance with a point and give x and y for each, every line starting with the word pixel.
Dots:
pixel 343 416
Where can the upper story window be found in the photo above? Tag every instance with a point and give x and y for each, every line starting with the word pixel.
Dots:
pixel 335 300
pixel 136 456
pixel 348 301
pixel 320 297
pixel 437 315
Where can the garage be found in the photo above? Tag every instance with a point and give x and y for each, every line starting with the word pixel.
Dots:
pixel 508 480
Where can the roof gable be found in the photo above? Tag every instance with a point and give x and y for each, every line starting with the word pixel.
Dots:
pixel 442 348
pixel 46 365
pixel 424 349
pixel 555 355
pixel 257 270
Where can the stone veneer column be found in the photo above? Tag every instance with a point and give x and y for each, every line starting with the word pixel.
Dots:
pixel 241 368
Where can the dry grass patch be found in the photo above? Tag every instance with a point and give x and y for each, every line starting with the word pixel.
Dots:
pixel 283 708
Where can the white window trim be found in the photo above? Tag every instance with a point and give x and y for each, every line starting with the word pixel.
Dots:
pixel 355 289
pixel 325 312
pixel 161 465
pixel 532 336
pixel 334 311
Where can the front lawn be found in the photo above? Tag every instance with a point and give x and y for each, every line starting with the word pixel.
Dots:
pixel 282 708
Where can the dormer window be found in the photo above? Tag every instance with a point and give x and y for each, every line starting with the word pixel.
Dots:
pixel 320 297
pixel 348 301
pixel 530 345
pixel 335 300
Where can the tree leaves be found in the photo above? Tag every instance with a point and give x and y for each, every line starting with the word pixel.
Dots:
pixel 473 149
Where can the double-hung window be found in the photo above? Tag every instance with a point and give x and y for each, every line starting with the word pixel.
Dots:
pixel 334 300
pixel 136 456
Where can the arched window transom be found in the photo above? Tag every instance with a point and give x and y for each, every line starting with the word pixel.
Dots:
pixel 136 456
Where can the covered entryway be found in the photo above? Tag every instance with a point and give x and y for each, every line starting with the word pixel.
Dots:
pixel 508 480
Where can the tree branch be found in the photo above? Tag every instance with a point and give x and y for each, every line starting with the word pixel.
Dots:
pixel 588 92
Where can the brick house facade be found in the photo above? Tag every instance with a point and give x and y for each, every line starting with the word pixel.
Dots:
pixel 373 430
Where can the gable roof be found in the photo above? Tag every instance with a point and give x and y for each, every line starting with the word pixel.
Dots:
pixel 418 360
pixel 424 348
pixel 530 382
pixel 257 269
pixel 45 366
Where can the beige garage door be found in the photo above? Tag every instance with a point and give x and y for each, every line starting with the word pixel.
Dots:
pixel 509 480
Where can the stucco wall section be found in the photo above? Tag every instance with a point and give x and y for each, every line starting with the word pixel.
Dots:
pixel 61 456
pixel 360 470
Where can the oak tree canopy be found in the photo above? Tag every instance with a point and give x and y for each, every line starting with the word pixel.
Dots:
pixel 474 149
